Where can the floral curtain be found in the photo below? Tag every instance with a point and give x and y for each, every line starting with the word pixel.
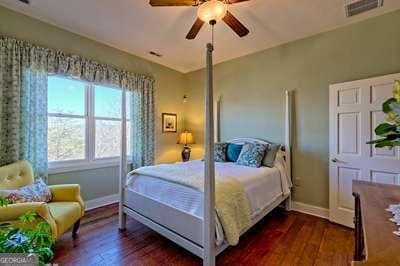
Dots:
pixel 33 124
pixel 23 109
pixel 23 103
pixel 142 134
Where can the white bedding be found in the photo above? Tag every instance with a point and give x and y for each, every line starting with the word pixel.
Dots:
pixel 262 186
pixel 260 190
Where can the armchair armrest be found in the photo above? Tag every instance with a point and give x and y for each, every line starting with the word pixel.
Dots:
pixel 68 192
pixel 13 211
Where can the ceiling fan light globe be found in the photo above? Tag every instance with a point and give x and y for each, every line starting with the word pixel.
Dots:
pixel 212 10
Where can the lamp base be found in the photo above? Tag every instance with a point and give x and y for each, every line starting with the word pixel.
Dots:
pixel 185 154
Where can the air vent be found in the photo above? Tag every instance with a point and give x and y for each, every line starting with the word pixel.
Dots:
pixel 360 6
pixel 25 1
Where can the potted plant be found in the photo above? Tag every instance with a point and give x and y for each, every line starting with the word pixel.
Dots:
pixel 34 237
pixel 389 131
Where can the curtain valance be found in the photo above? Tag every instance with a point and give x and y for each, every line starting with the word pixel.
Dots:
pixel 24 69
pixel 75 66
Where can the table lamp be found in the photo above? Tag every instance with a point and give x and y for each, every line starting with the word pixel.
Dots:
pixel 186 138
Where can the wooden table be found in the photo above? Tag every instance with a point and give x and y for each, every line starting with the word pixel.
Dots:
pixel 375 242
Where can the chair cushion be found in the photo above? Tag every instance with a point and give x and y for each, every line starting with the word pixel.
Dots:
pixel 16 175
pixel 65 214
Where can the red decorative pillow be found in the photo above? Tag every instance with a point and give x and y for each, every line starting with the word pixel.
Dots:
pixel 35 192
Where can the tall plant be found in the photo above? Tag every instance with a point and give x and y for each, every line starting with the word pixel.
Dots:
pixel 37 239
pixel 389 132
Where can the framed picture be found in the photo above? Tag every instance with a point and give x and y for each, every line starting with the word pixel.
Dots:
pixel 169 123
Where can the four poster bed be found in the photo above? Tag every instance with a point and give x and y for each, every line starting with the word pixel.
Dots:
pixel 188 216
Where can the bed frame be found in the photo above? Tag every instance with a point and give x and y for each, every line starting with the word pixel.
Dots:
pixel 193 233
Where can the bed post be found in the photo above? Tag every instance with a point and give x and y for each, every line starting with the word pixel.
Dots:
pixel 217 119
pixel 209 174
pixel 122 164
pixel 288 140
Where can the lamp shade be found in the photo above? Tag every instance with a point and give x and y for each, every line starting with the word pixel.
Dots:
pixel 212 10
pixel 186 138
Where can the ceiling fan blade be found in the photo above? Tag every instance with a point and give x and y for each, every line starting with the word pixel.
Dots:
pixel 173 2
pixel 236 1
pixel 195 29
pixel 235 25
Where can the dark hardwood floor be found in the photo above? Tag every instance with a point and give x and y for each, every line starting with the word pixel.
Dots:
pixel 279 239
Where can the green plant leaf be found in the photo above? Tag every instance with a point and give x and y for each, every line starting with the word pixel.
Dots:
pixel 12 232
pixel 44 253
pixel 385 143
pixel 43 227
pixel 6 225
pixel 386 108
pixel 4 202
pixel 36 240
pixel 17 242
pixel 384 129
pixel 28 217
pixel 375 141
pixel 390 131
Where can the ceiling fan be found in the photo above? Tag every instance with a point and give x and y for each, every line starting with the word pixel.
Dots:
pixel 208 11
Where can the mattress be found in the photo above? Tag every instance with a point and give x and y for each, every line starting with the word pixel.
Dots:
pixel 262 186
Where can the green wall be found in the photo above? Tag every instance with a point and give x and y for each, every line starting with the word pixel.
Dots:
pixel 169 92
pixel 252 89
pixel 94 183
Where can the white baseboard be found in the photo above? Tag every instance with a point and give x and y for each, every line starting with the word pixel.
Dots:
pixel 100 202
pixel 310 209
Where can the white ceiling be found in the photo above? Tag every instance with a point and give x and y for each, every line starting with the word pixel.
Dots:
pixel 136 27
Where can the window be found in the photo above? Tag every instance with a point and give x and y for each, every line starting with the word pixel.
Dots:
pixel 67 119
pixel 84 124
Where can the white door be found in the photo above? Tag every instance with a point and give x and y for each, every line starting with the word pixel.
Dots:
pixel 355 109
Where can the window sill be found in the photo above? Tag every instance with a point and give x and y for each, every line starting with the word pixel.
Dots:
pixel 81 166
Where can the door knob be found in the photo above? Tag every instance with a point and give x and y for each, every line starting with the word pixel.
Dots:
pixel 334 160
